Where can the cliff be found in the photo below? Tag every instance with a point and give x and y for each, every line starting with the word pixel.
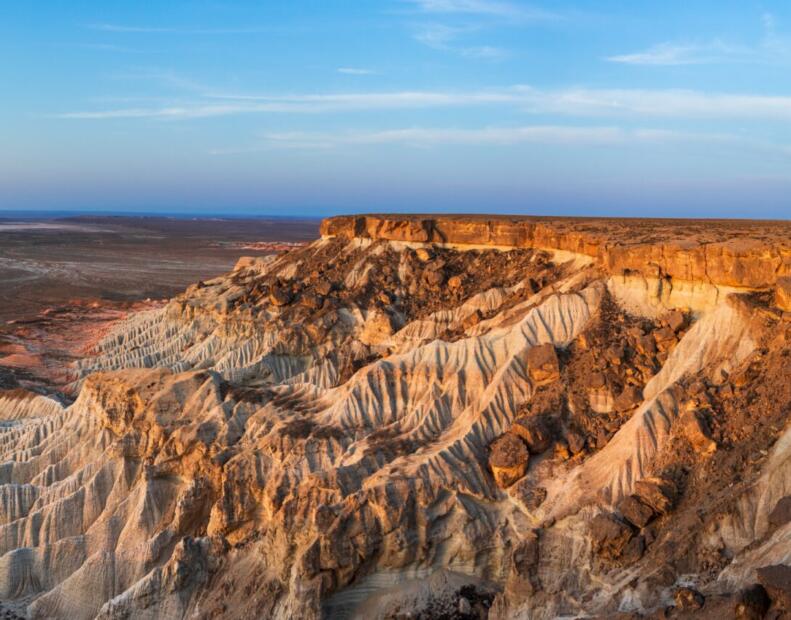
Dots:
pixel 424 416
pixel 749 254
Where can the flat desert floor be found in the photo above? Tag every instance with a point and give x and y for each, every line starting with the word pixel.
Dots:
pixel 56 273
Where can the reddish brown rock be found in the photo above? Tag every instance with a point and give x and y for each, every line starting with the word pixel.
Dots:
pixel 575 441
pixel 629 398
pixel 752 603
pixel 472 320
pixel 609 535
pixel 675 320
pixel 658 493
pixel 535 431
pixel 696 431
pixel 635 511
pixel 776 580
pixel 323 288
pixel 781 513
pixel 542 361
pixel 665 338
pixel 688 599
pixel 562 451
pixel 280 296
pixel 508 459
pixel 454 282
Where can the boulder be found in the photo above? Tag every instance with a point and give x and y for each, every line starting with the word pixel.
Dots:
pixel 454 282
pixel 629 398
pixel 783 293
pixel 658 493
pixel 508 459
pixel 535 431
pixel 609 535
pixel 323 288
pixel 688 599
pixel 776 580
pixel 423 255
pixel 312 301
pixel 752 603
pixel 645 345
pixel 378 327
pixel 676 320
pixel 633 550
pixel 562 451
pixel 614 354
pixel 635 511
pixel 280 296
pixel 696 431
pixel 575 441
pixel 471 320
pixel 531 496
pixel 542 361
pixel 781 513
pixel 433 278
pixel 665 338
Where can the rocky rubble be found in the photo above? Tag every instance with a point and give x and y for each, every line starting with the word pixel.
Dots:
pixel 387 424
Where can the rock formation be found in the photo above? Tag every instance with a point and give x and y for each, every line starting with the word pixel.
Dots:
pixel 458 417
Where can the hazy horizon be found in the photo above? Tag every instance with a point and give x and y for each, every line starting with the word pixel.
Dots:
pixel 460 106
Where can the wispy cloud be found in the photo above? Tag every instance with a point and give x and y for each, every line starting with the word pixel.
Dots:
pixel 355 71
pixel 419 136
pixel 558 135
pixel 771 48
pixel 492 8
pixel 581 102
pixel 122 28
pixel 109 47
pixel 462 18
pixel 667 54
pixel 444 37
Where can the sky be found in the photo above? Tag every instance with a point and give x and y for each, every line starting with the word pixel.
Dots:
pixel 666 108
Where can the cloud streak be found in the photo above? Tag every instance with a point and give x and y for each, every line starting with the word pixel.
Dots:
pixel 442 37
pixel 355 71
pixel 581 102
pixel 491 8
pixel 121 28
pixel 771 48
pixel 558 135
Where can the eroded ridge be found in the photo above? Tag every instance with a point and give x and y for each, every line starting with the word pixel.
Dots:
pixel 445 417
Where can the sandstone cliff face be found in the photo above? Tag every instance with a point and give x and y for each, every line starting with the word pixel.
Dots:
pixel 536 429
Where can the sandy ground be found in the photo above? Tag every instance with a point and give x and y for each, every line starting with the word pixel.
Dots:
pixel 64 283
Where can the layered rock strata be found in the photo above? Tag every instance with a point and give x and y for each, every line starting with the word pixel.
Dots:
pixel 487 405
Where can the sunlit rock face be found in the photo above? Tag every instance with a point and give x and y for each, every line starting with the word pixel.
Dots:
pixel 423 417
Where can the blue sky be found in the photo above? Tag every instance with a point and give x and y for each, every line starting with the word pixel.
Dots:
pixel 606 108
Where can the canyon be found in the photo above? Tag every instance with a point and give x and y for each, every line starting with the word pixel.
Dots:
pixel 418 416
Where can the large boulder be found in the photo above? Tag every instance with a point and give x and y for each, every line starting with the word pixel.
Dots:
pixel 658 493
pixel 635 511
pixel 609 535
pixel 543 365
pixel 508 459
pixel 535 431
pixel 629 398
pixel 776 580
pixel 696 431
pixel 781 513
pixel 688 599
pixel 378 327
pixel 280 296
pixel 752 603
